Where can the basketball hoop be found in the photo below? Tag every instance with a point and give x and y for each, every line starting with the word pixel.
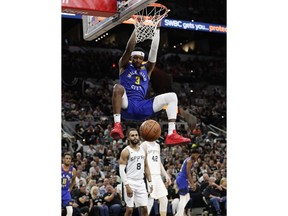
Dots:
pixel 147 20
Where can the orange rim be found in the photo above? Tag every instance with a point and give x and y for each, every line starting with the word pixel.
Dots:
pixel 153 5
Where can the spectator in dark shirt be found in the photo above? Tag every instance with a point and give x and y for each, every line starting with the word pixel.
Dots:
pixel 212 194
pixel 97 204
pixel 205 182
pixel 83 201
pixel 223 185
pixel 113 200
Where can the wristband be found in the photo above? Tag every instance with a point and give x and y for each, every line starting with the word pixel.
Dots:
pixel 150 184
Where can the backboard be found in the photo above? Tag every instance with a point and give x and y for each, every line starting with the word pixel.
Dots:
pixel 94 26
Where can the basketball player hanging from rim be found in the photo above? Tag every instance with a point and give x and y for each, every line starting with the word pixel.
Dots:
pixel 128 99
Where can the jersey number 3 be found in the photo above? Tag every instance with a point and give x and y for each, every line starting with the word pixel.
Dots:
pixel 137 80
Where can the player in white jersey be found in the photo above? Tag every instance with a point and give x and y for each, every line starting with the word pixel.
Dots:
pixel 157 171
pixel 133 158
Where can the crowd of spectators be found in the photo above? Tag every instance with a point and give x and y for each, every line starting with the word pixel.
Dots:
pixel 97 165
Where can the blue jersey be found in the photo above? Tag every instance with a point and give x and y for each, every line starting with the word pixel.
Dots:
pixel 136 83
pixel 182 179
pixel 66 181
pixel 66 178
pixel 183 172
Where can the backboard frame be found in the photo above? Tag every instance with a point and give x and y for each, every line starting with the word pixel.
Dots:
pixel 124 13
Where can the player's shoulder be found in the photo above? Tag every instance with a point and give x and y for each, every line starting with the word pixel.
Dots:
pixel 189 160
pixel 144 143
pixel 74 171
pixel 125 150
pixel 142 147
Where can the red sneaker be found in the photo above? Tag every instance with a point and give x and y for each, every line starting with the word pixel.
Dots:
pixel 116 132
pixel 176 139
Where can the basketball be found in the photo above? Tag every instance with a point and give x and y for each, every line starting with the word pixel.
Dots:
pixel 150 130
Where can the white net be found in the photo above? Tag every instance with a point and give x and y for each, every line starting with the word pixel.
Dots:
pixel 147 20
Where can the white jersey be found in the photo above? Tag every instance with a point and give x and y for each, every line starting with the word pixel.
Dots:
pixel 154 163
pixel 153 157
pixel 136 163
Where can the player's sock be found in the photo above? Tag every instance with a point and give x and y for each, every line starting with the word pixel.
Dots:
pixel 117 117
pixel 69 210
pixel 171 127
pixel 182 203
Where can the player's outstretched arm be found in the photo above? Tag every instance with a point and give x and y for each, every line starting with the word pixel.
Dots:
pixel 73 180
pixel 152 57
pixel 124 60
pixel 122 165
pixel 148 175
pixel 188 171
pixel 165 174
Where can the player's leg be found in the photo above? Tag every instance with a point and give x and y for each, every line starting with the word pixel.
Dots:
pixel 67 202
pixel 129 211
pixel 119 100
pixel 160 193
pixel 167 99
pixel 69 210
pixel 182 203
pixel 163 202
pixel 118 92
pixel 150 204
pixel 141 197
pixel 183 191
pixel 129 201
pixel 188 207
pixel 171 101
pixel 144 211
pixel 175 203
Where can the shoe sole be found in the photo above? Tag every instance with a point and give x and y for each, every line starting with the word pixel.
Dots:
pixel 116 136
pixel 174 144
